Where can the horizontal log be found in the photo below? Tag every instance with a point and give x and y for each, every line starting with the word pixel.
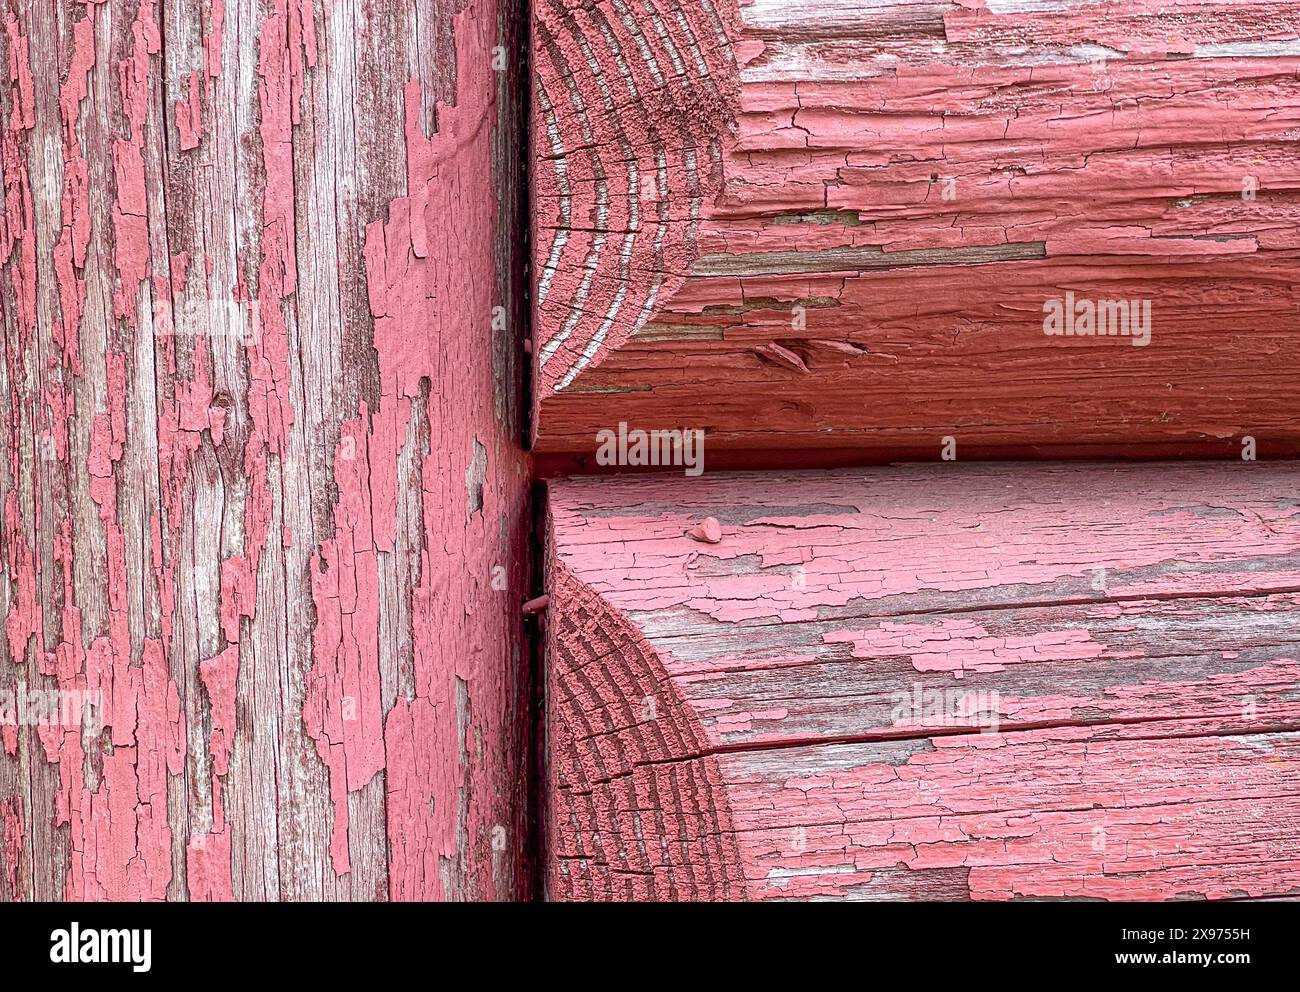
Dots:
pixel 972 682
pixel 837 225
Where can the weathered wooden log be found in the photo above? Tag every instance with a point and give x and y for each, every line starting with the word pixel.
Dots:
pixel 262 500
pixel 963 683
pixel 846 224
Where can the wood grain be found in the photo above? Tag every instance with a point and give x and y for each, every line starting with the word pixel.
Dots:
pixel 829 224
pixel 262 487
pixel 970 682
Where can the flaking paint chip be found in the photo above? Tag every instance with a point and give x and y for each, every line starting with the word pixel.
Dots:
pixel 707 530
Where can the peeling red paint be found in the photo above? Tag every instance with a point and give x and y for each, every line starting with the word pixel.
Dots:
pixel 971 682
pixel 170 387
pixel 189 117
pixel 752 221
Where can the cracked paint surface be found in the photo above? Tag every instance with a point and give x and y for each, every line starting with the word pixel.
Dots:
pixel 796 223
pixel 972 682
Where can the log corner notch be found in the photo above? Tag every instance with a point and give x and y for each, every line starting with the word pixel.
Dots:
pixel 975 682
pixel 631 107
pixel 263 496
pixel 793 223
pixel 635 806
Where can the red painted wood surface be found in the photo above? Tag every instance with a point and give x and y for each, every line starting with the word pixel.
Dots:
pixel 968 682
pixel 260 485
pixel 812 224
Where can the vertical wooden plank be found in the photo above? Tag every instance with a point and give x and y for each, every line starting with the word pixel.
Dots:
pixel 262 489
